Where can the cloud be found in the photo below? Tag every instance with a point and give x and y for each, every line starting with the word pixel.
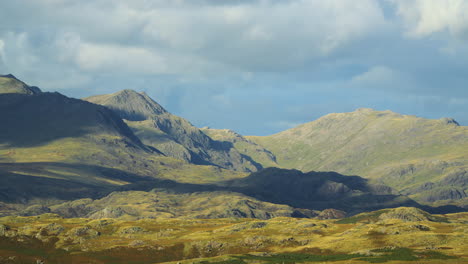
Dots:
pixel 94 57
pixel 2 55
pixel 246 64
pixel 262 35
pixel 426 17
pixel 376 74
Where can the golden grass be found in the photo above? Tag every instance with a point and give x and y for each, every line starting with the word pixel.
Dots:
pixel 220 237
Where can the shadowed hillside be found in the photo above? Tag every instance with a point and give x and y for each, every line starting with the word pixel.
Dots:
pixel 318 190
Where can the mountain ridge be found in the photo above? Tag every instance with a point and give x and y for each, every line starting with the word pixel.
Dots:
pixel 81 145
pixel 173 135
pixel 10 84
pixel 401 151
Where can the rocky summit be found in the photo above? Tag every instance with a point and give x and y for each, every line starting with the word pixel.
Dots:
pixel 173 135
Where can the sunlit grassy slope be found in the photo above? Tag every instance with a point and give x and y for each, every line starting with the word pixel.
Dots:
pixel 10 84
pixel 423 157
pixel 387 236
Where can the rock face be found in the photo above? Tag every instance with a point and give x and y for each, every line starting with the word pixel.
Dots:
pixel 450 188
pixel 331 214
pixel 36 210
pixel 246 147
pixel 172 135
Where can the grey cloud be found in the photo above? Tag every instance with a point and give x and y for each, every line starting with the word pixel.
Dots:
pixel 252 35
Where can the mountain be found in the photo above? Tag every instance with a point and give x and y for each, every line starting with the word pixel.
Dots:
pixel 171 134
pixel 426 159
pixel 113 181
pixel 66 148
pixel 10 84
pixel 34 118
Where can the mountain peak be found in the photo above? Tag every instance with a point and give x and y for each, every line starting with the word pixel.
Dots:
pixel 449 121
pixel 11 76
pixel 373 111
pixel 129 104
pixel 126 92
pixel 9 84
pixel 365 109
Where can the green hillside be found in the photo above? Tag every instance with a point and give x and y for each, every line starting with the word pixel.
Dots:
pixel 427 159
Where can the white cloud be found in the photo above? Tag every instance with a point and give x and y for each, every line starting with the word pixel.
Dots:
pixel 113 57
pixel 376 75
pixel 2 46
pixel 2 55
pixel 425 17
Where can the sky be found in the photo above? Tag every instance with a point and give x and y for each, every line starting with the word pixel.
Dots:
pixel 255 66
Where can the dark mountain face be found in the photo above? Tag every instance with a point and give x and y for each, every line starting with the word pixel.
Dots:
pixel 40 118
pixel 318 190
pixel 171 134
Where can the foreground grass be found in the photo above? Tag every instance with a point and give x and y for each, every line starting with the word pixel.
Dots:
pixel 231 241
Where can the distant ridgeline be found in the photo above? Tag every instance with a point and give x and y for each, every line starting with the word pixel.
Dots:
pixel 123 155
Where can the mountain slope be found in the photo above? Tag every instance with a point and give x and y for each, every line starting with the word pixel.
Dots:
pixel 412 155
pixel 10 84
pixel 318 190
pixel 246 147
pixel 173 135
pixel 69 148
